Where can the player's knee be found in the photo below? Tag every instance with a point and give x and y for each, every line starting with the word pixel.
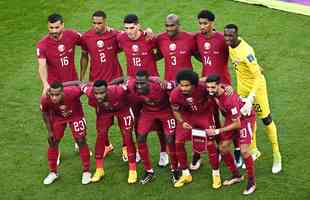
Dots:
pixel 267 120
pixel 141 138
pixel 81 142
pixel 170 139
pixel 224 148
pixel 52 141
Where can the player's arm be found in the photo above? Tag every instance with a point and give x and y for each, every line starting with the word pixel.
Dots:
pixel 178 117
pixel 72 83
pixel 84 64
pixel 232 126
pixel 42 69
pixel 119 80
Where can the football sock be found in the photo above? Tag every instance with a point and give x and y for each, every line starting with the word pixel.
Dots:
pixel 144 153
pixel 213 155
pixel 271 131
pixel 100 146
pixel 52 154
pixel 181 155
pixel 131 149
pixel 99 163
pixel 162 141
pixel 84 155
pixel 173 156
pixel 230 162
pixel 107 141
pixel 249 164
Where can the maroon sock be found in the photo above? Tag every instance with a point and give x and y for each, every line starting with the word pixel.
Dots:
pixel 173 156
pixel 131 149
pixel 229 160
pixel 144 153
pixel 249 167
pixel 162 141
pixel 52 154
pixel 84 155
pixel 107 141
pixel 213 156
pixel 100 146
pixel 181 155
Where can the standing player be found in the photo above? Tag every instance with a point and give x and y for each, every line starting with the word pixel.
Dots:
pixel 110 101
pixel 236 125
pixel 155 109
pixel 140 55
pixel 55 53
pixel 176 47
pixel 192 109
pixel 251 84
pixel 101 46
pixel 62 106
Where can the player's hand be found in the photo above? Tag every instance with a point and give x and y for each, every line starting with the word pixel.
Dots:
pixel 186 125
pixel 203 79
pixel 213 132
pixel 46 87
pixel 109 29
pixel 246 109
pixel 148 32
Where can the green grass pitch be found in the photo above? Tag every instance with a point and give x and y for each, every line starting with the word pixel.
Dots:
pixel 282 45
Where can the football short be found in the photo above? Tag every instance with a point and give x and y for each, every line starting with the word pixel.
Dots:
pixel 77 126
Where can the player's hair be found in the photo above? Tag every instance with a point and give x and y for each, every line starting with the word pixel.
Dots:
pixel 57 85
pixel 187 75
pixel 100 13
pixel 55 17
pixel 99 83
pixel 131 18
pixel 206 14
pixel 142 73
pixel 213 78
pixel 232 26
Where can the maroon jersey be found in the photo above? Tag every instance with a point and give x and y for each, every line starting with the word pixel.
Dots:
pixel 177 52
pixel 59 55
pixel 214 55
pixel 157 98
pixel 230 106
pixel 103 49
pixel 67 110
pixel 139 54
pixel 196 102
pixel 116 99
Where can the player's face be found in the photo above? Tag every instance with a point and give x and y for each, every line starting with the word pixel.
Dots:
pixel 205 25
pixel 99 24
pixel 131 30
pixel 185 87
pixel 231 37
pixel 55 29
pixel 142 84
pixel 56 95
pixel 212 88
pixel 100 93
pixel 172 28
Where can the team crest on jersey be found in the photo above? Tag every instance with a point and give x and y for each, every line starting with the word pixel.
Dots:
pixel 100 43
pixel 135 48
pixel 61 48
pixel 207 45
pixel 172 47
pixel 189 100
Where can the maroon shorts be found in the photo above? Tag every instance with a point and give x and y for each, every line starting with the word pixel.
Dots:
pixel 149 121
pixel 125 120
pixel 77 126
pixel 244 134
pixel 196 120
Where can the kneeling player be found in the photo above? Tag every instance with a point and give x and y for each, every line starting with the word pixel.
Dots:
pixel 62 106
pixel 230 107
pixel 192 109
pixel 155 110
pixel 110 101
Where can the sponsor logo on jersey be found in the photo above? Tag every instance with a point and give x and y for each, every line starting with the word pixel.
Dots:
pixel 61 48
pixel 100 43
pixel 207 45
pixel 172 47
pixel 135 48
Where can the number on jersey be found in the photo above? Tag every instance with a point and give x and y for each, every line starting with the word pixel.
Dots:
pixel 136 61
pixel 64 61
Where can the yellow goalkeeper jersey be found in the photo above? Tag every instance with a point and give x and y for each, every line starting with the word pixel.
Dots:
pixel 249 73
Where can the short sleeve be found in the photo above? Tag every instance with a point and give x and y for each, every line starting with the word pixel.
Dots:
pixel 43 104
pixel 40 51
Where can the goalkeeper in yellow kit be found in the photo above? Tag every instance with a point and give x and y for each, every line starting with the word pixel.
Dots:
pixel 251 85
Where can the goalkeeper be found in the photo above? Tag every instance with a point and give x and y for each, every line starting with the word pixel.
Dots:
pixel 251 85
